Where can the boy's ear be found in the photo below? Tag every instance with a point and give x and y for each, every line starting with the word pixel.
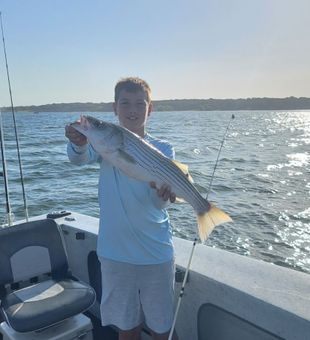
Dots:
pixel 114 109
pixel 150 108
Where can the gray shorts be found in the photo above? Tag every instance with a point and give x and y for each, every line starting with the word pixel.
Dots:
pixel 132 294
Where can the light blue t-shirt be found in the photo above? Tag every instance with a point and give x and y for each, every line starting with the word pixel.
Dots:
pixel 134 224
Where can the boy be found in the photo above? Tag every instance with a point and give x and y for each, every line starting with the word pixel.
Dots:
pixel 135 239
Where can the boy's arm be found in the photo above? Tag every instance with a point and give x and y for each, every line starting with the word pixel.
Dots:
pixel 78 150
pixel 80 155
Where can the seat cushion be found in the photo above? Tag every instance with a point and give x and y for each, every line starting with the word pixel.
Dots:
pixel 46 303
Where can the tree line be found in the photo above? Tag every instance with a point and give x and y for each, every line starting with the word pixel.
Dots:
pixel 289 103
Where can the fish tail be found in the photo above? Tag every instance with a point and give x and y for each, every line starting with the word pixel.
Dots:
pixel 210 219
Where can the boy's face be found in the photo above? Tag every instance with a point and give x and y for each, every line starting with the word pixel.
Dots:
pixel 132 109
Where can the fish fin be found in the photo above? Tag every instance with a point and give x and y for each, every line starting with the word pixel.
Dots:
pixel 210 219
pixel 125 156
pixel 184 169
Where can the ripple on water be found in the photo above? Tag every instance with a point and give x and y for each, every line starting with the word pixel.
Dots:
pixel 261 179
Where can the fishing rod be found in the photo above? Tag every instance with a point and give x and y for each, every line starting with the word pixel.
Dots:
pixel 9 215
pixel 181 294
pixel 14 121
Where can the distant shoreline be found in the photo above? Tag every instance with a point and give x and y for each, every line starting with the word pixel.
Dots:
pixel 248 104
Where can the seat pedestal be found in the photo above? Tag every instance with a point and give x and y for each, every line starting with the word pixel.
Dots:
pixel 77 327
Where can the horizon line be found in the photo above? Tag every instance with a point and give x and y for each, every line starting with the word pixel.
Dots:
pixel 159 100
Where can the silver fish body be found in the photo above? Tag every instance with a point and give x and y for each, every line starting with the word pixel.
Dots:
pixel 140 160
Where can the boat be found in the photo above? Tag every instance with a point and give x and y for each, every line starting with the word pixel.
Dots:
pixel 226 297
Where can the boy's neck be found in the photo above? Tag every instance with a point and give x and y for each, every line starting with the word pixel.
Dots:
pixel 140 132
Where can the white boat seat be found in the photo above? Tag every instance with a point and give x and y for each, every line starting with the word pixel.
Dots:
pixel 30 250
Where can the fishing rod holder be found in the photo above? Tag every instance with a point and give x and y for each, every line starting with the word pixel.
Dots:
pixel 58 214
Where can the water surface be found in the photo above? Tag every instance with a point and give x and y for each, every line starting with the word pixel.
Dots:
pixel 262 179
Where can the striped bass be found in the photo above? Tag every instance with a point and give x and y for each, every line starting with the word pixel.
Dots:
pixel 140 160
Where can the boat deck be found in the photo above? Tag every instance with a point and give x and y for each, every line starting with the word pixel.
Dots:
pixel 253 299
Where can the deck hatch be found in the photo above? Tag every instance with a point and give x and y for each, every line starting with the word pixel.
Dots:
pixel 215 323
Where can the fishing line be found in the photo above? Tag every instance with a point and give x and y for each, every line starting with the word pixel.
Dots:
pixel 181 294
pixel 218 154
pixel 9 216
pixel 14 121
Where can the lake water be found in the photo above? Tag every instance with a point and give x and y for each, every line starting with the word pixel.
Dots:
pixel 262 179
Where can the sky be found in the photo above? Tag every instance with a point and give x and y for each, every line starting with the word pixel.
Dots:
pixel 63 51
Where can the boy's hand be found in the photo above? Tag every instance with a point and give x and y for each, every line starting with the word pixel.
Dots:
pixel 164 192
pixel 74 136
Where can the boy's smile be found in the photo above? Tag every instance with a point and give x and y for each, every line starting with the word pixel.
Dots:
pixel 132 109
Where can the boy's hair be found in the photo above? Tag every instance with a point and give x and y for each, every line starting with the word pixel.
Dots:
pixel 132 84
